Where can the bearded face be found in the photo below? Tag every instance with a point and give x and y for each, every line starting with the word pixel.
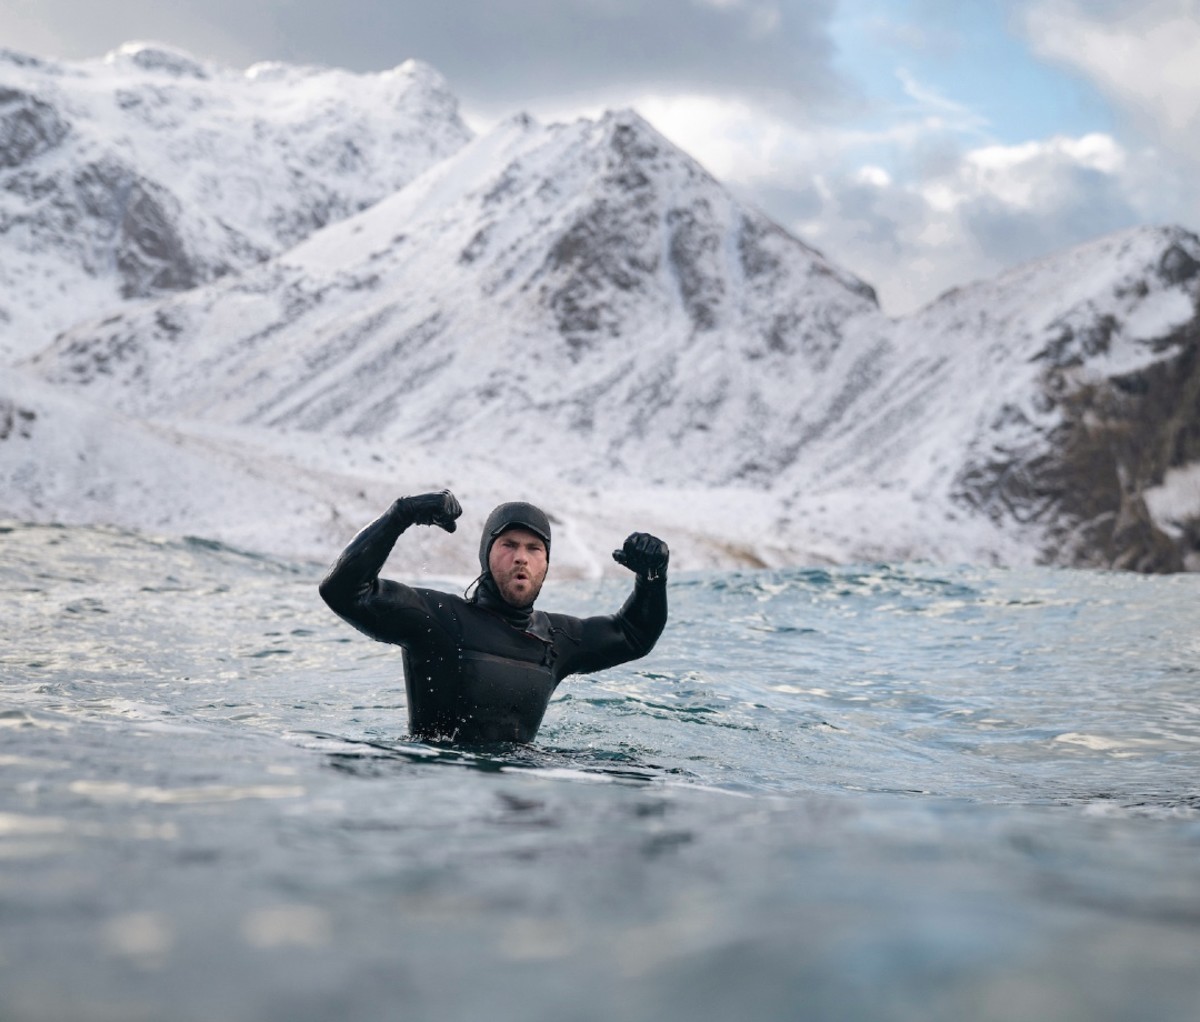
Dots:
pixel 518 563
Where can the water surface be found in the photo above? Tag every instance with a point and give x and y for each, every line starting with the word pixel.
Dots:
pixel 885 792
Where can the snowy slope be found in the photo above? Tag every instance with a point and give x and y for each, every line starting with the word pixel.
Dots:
pixel 974 363
pixel 583 292
pixel 66 460
pixel 1049 402
pixel 148 171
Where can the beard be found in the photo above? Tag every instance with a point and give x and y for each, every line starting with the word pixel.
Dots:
pixel 519 592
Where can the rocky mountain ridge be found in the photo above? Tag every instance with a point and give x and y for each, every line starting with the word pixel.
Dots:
pixel 1058 400
pixel 588 281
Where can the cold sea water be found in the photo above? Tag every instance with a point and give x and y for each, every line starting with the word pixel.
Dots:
pixel 879 792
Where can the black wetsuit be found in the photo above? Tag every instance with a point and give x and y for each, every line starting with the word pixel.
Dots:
pixel 482 670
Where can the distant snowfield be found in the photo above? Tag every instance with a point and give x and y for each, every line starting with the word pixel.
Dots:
pixel 304 495
pixel 257 307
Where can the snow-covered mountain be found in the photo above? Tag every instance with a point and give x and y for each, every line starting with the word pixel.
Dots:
pixel 150 172
pixel 579 314
pixel 1060 402
pixel 1096 443
pixel 586 291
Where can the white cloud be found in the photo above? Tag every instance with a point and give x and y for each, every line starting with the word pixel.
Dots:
pixel 735 140
pixel 1028 175
pixel 998 205
pixel 876 176
pixel 929 200
pixel 1143 56
pixel 498 57
pixel 909 225
pixel 937 108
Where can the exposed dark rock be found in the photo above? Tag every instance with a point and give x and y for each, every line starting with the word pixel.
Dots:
pixel 760 241
pixel 476 246
pixel 292 224
pixel 165 61
pixel 15 421
pixel 505 184
pixel 693 246
pixel 28 127
pixel 1086 480
pixel 757 259
pixel 150 255
pixel 780 333
pixel 129 224
pixel 603 250
pixel 1072 348
pixel 1177 266
pixel 22 59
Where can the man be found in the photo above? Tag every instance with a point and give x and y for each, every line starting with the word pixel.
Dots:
pixel 482 669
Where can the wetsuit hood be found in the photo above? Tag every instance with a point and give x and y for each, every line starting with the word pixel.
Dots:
pixel 514 515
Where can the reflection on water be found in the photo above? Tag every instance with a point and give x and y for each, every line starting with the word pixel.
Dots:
pixel 875 793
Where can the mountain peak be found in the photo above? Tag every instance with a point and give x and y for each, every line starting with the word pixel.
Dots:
pixel 589 280
pixel 150 171
pixel 157 58
pixel 421 73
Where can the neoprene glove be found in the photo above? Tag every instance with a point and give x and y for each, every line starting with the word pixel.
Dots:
pixel 645 554
pixel 440 509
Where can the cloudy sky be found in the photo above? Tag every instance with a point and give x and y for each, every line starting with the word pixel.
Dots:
pixel 919 143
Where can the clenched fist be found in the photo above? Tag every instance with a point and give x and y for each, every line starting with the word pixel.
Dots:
pixel 440 509
pixel 644 554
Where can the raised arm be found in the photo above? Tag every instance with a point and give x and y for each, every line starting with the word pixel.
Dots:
pixel 353 589
pixel 632 631
pixel 644 615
